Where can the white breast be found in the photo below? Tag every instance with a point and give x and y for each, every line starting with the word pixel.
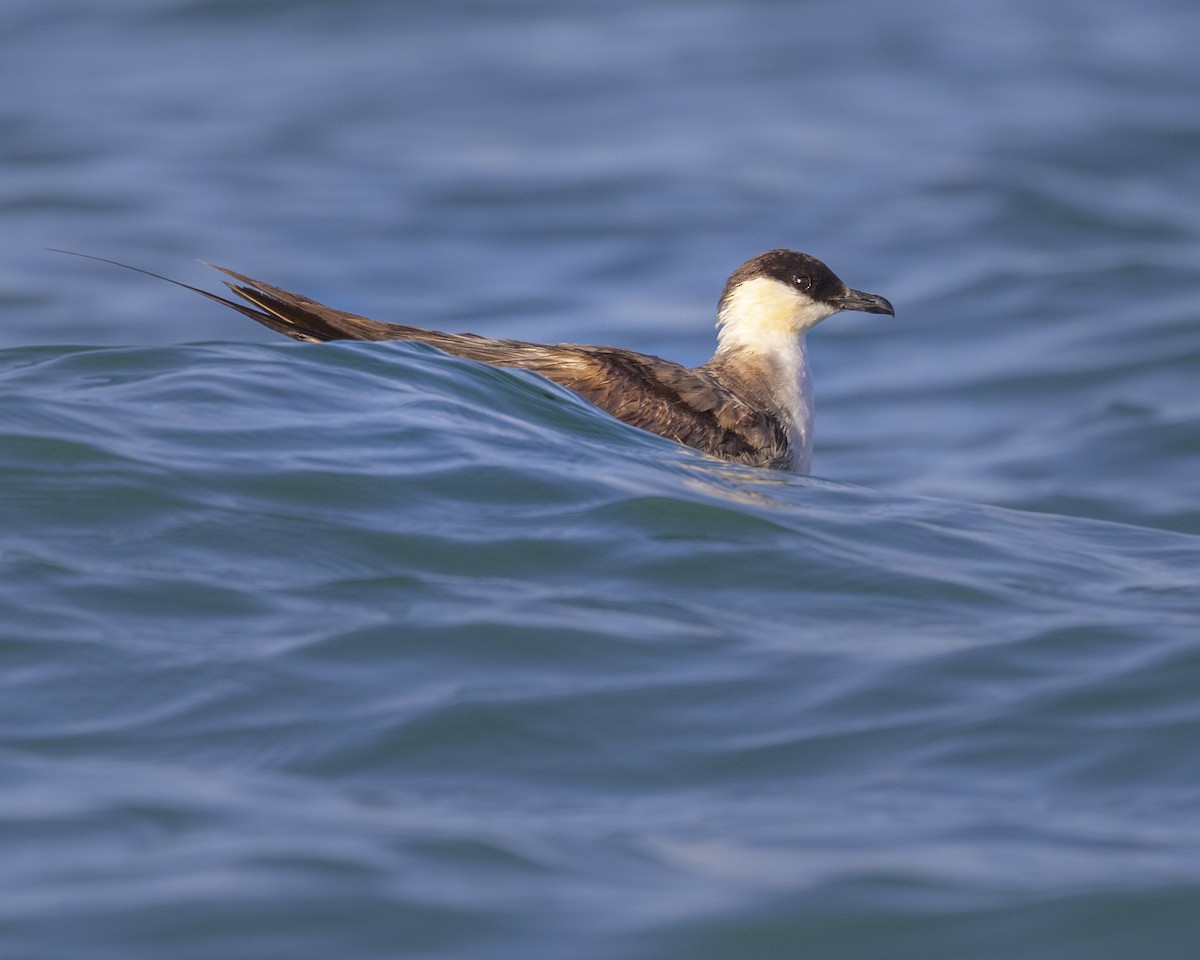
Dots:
pixel 791 389
pixel 762 326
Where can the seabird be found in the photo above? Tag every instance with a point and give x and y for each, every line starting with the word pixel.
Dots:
pixel 751 403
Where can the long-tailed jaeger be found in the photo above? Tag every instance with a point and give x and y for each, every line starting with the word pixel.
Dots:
pixel 751 403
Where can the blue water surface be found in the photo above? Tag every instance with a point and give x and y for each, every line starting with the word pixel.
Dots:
pixel 361 650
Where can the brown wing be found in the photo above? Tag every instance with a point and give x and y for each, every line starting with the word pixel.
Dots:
pixel 681 403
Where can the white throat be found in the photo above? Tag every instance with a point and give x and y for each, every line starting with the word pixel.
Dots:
pixel 761 326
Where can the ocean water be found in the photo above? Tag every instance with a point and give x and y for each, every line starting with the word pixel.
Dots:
pixel 361 650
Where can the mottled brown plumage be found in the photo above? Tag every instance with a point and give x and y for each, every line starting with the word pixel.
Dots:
pixel 694 406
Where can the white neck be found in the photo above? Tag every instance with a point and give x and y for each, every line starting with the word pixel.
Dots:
pixel 761 326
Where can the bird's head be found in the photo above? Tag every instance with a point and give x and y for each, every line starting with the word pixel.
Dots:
pixel 784 292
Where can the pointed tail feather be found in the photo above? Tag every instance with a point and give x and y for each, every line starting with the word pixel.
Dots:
pixel 232 304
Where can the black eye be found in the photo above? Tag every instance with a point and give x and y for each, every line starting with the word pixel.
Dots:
pixel 802 283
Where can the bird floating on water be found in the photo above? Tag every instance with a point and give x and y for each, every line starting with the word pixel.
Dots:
pixel 751 403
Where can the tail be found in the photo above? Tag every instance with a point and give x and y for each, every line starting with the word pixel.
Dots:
pixel 282 311
pixel 301 318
